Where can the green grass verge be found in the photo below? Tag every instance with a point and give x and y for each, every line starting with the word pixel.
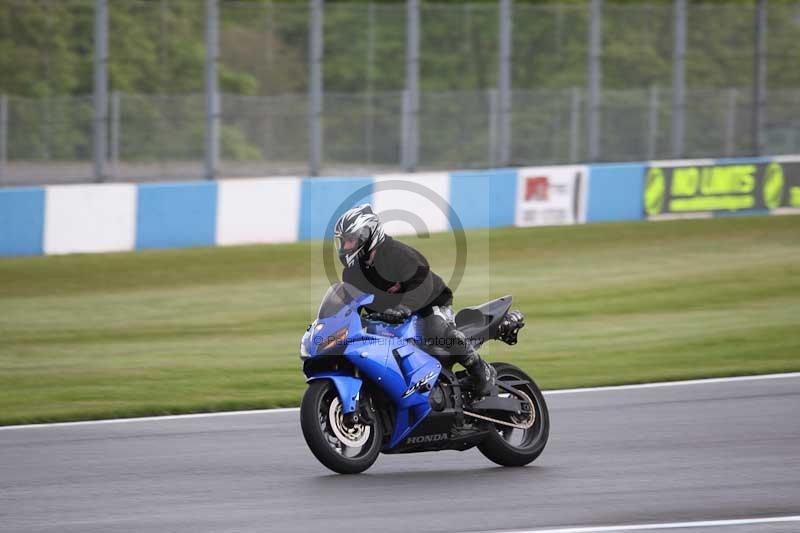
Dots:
pixel 113 335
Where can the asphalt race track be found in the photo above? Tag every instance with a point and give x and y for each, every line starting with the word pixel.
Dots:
pixel 662 455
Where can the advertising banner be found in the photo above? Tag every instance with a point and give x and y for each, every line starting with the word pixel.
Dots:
pixel 685 189
pixel 549 196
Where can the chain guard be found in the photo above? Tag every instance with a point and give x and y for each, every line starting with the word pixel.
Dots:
pixel 526 425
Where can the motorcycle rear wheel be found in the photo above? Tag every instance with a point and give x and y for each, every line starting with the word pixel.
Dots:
pixel 508 446
pixel 345 449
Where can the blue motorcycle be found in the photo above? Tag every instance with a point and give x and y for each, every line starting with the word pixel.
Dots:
pixel 377 387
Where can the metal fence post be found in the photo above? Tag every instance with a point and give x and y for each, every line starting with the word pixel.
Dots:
pixel 269 30
pixel 652 122
pixel 595 77
pixel 411 94
pixel 760 77
pixel 730 122
pixel 3 136
pixel 405 124
pixel 574 124
pixel 494 124
pixel 679 80
pixel 115 134
pixel 48 127
pixel 99 152
pixel 315 89
pixel 212 95
pixel 504 83
pixel 370 122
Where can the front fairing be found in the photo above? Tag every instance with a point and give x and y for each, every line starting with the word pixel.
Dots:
pixel 337 321
pixel 388 355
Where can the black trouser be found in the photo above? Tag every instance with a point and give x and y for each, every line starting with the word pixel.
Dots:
pixel 442 337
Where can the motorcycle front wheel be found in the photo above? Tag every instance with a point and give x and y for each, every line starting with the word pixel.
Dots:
pixel 342 447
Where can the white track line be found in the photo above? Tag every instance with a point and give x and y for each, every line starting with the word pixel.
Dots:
pixel 708 381
pixel 667 525
pixel 153 418
pixel 296 409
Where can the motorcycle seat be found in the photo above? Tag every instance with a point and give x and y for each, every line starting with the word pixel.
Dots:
pixel 481 323
pixel 478 324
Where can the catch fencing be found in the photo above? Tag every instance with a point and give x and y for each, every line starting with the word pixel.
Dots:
pixel 375 88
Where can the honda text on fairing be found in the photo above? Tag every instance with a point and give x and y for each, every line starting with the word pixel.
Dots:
pixel 372 389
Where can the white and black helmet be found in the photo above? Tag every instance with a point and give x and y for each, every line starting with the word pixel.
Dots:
pixel 361 224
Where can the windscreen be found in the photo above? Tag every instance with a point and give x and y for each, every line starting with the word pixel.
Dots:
pixel 338 296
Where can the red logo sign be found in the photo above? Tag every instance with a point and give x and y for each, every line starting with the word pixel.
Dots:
pixel 537 188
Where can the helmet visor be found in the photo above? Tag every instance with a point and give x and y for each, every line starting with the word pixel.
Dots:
pixel 350 244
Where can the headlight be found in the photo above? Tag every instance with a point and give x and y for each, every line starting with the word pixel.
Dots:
pixel 316 327
pixel 332 340
pixel 303 352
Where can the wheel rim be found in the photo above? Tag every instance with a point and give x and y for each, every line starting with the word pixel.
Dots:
pixel 349 441
pixel 522 438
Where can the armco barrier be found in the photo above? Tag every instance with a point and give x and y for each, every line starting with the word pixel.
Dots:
pixel 260 210
pixel 118 217
pixel 175 215
pixel 89 218
pixel 484 199
pixel 321 199
pixel 21 221
pixel 409 202
pixel 615 192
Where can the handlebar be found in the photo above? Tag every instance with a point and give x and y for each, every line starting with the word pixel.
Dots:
pixel 380 317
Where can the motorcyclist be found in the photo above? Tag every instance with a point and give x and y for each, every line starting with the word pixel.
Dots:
pixel 403 284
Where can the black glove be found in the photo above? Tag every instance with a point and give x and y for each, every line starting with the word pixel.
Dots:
pixel 394 315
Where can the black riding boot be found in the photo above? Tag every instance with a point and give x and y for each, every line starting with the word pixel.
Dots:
pixel 481 372
pixel 440 329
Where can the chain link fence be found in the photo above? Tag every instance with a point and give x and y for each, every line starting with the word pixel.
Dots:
pixel 157 108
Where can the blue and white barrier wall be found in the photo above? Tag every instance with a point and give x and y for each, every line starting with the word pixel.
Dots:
pixel 615 192
pixel 120 217
pixel 21 221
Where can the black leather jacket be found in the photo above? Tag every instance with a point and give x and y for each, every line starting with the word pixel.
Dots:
pixel 398 274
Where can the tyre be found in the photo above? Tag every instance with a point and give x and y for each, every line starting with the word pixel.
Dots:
pixel 509 446
pixel 342 448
